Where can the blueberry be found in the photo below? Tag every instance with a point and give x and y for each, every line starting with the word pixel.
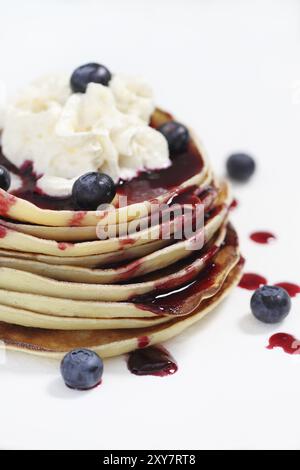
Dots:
pixel 240 166
pixel 4 178
pixel 177 136
pixel 81 369
pixel 88 73
pixel 92 189
pixel 270 304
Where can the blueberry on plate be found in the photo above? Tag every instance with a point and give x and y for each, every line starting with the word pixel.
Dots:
pixel 92 189
pixel 81 369
pixel 88 73
pixel 177 136
pixel 270 304
pixel 240 166
pixel 5 179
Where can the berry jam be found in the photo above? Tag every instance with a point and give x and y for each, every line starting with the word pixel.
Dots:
pixel 182 300
pixel 288 343
pixel 143 342
pixel 262 237
pixel 154 360
pixel 147 185
pixel 3 231
pixel 292 289
pixel 29 190
pixel 252 281
pixel 234 204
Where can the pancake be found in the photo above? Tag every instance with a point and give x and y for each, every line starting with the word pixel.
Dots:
pixel 19 209
pixel 15 240
pixel 94 261
pixel 150 262
pixel 82 233
pixel 61 300
pixel 107 343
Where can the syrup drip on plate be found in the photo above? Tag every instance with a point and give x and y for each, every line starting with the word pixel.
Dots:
pixel 234 204
pixel 292 289
pixel 155 360
pixel 252 281
pixel 288 343
pixel 262 237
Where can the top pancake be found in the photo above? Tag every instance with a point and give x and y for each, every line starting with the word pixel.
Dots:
pixel 188 169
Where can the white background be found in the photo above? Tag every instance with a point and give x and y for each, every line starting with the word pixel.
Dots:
pixel 230 69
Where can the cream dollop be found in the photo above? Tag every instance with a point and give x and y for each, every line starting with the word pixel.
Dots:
pixel 65 135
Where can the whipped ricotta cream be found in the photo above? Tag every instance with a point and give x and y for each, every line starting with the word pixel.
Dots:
pixel 67 134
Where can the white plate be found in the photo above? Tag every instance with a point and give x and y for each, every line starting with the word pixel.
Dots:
pixel 232 71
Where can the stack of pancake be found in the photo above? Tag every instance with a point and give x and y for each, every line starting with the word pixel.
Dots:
pixel 62 287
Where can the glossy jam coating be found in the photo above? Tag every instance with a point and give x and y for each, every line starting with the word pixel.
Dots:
pixel 154 360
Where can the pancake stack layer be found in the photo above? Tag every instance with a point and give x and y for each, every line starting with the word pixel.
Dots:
pixel 62 287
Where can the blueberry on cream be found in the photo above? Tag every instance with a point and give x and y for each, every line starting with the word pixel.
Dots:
pixel 65 135
pixel 92 189
pixel 5 179
pixel 81 369
pixel 177 136
pixel 89 73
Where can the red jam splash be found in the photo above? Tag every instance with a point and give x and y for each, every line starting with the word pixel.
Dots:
pixel 252 281
pixel 181 300
pixel 77 218
pixel 63 245
pixel 288 343
pixel 143 342
pixel 234 204
pixel 3 231
pixel 292 289
pixel 262 237
pixel 155 360
pixel 6 202
pixel 148 185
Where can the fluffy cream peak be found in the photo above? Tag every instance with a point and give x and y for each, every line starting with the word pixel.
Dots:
pixel 65 135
